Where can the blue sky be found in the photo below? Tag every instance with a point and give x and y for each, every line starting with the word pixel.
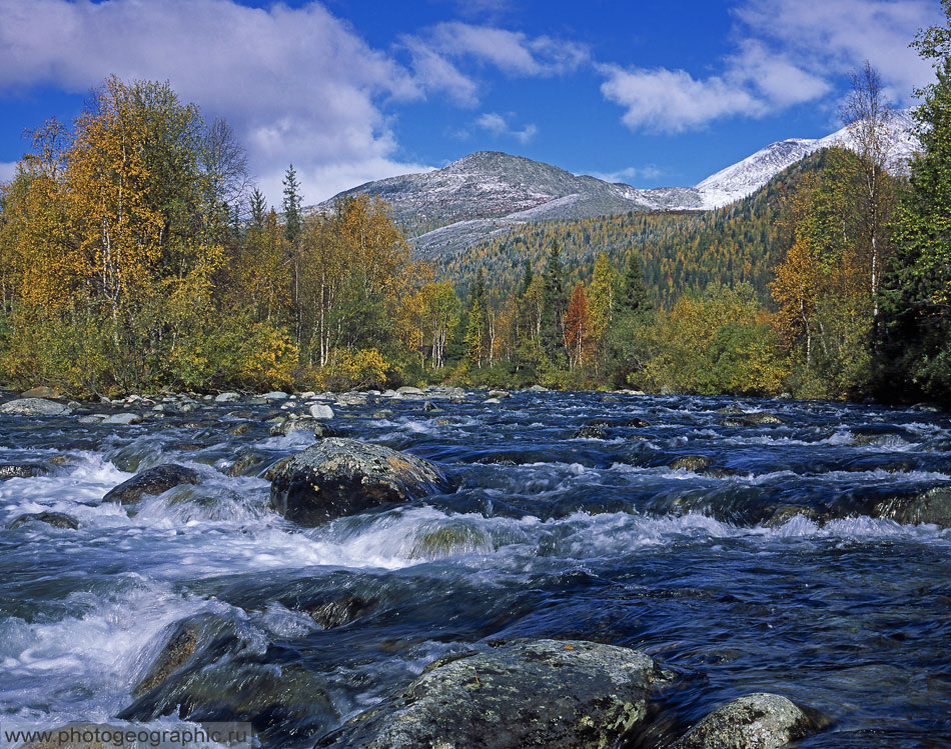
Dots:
pixel 647 92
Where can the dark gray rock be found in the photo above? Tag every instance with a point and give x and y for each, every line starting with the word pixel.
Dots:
pixel 737 421
pixel 338 612
pixel 209 668
pixel 152 481
pixel 35 407
pixel 927 506
pixel 315 427
pixel 56 519
pixel 635 422
pixel 763 417
pixel 550 693
pixel 757 721
pixel 22 470
pixel 338 477
pixel 689 463
pixel 245 465
pixel 589 432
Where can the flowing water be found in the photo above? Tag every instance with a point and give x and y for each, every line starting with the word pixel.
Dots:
pixel 717 572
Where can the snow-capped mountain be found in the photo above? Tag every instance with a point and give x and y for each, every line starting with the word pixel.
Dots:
pixel 747 176
pixel 486 193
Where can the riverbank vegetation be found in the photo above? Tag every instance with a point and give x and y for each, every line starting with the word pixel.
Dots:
pixel 136 254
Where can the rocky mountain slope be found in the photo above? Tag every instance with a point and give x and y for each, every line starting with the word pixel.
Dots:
pixel 487 193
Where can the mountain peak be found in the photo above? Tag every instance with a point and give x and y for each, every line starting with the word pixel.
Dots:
pixel 488 192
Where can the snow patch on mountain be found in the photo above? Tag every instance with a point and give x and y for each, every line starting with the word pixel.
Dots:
pixel 747 176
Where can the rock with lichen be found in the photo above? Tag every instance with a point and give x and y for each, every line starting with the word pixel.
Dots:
pixel 550 693
pixel 756 721
pixel 339 477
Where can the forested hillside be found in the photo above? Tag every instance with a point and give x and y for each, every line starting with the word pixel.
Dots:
pixel 678 251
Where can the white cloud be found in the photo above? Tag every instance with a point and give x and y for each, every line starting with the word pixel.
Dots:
pixel 837 36
pixel 788 52
pixel 7 170
pixel 673 100
pixel 436 74
pixel 438 53
pixel 510 51
pixel 296 84
pixel 498 125
pixel 630 173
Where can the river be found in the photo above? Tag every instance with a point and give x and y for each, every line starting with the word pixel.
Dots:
pixel 751 568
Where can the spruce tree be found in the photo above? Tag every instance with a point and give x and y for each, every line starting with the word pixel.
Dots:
pixel 634 296
pixel 292 205
pixel 258 209
pixel 553 305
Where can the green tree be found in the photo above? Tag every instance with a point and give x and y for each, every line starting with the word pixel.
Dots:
pixel 916 350
pixel 552 328
pixel 292 205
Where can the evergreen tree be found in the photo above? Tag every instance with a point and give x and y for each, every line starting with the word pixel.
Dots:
pixel 258 209
pixel 634 296
pixel 553 305
pixel 292 205
pixel 476 322
pixel 916 351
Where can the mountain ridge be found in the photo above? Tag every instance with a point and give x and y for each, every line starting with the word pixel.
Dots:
pixel 486 193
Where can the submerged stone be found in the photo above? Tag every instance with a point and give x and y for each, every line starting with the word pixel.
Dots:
pixel 208 668
pixel 152 481
pixel 22 470
pixel 551 693
pixel 55 519
pixel 337 613
pixel 689 463
pixel 315 427
pixel 589 432
pixel 450 539
pixel 338 477
pixel 927 506
pixel 757 721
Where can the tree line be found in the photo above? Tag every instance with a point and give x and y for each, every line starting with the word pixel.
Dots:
pixel 136 253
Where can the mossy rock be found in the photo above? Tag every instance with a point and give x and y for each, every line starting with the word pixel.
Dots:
pixel 450 539
pixel 550 693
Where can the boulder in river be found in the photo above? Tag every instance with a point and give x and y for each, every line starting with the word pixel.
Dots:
pixel 926 506
pixel 55 519
pixel 152 481
pixel 21 470
pixel 338 477
pixel 211 669
pixel 689 463
pixel 127 417
pixel 756 721
pixel 315 427
pixel 35 407
pixel 589 432
pixel 551 693
pixel 321 411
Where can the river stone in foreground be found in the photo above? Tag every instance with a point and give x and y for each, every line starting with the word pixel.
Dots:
pixel 549 693
pixel 757 721
pixel 339 476
pixel 152 481
pixel 35 407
